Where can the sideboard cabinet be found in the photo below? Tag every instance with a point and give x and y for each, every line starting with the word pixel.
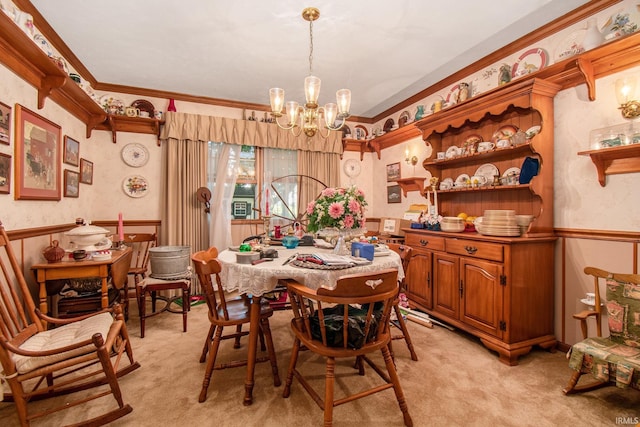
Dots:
pixel 497 288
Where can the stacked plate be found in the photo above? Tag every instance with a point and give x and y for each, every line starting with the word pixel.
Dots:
pixel 498 223
pixel 452 224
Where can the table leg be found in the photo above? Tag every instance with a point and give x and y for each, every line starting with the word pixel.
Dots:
pixel 186 302
pixel 254 325
pixel 43 300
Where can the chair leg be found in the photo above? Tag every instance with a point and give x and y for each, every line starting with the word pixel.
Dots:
pixel 261 336
pixel 207 343
pixel 266 330
pixel 292 367
pixel 236 343
pixel 211 363
pixel 393 376
pixel 405 333
pixel 329 381
pixel 107 367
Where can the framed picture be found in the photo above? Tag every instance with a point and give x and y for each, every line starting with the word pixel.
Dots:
pixel 5 173
pixel 5 123
pixel 71 151
pixel 394 194
pixel 38 155
pixel 393 172
pixel 71 183
pixel 86 171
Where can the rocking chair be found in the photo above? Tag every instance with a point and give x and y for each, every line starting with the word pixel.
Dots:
pixel 614 359
pixel 78 354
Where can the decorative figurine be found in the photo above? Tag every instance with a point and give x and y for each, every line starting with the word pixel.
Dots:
pixel 505 74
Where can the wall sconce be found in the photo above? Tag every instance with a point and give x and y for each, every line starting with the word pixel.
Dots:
pixel 410 160
pixel 625 93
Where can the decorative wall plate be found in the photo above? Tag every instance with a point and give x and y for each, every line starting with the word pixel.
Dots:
pixel 144 105
pixel 529 62
pixel 388 125
pixel 352 168
pixel 404 118
pixel 570 46
pixel 135 186
pixel 135 155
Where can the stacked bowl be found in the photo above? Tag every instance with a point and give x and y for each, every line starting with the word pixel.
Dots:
pixel 498 223
pixel 452 224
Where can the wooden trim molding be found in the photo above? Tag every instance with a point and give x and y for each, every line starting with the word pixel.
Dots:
pixel 617 236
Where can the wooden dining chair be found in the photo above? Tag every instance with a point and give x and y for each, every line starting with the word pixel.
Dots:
pixel 222 313
pixel 350 321
pixel 405 255
pixel 140 244
pixel 77 354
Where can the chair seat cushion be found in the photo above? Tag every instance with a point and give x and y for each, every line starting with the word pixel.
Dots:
pixel 333 320
pixel 607 360
pixel 60 337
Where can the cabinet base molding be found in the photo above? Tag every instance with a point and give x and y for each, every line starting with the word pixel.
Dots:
pixel 509 353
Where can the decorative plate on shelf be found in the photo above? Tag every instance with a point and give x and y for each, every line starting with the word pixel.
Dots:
pixel 488 170
pixel 404 118
pixel 388 125
pixel 135 155
pixel 144 105
pixel 43 44
pixel 361 132
pixel 452 152
pixel 346 131
pixel 452 96
pixel 532 131
pixel 505 132
pixel 511 171
pixel 135 186
pixel 570 46
pixel 529 62
pixel 462 180
pixel 622 23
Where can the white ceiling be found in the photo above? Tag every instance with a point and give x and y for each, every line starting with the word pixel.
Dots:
pixel 384 51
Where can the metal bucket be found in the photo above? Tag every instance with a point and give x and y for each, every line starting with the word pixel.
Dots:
pixel 168 262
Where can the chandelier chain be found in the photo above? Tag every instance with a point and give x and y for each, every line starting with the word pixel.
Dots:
pixel 311 47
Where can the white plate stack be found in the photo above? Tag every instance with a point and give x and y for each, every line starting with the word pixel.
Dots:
pixel 452 224
pixel 498 223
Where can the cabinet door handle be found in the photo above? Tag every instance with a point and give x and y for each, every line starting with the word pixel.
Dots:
pixel 471 249
pixel 461 288
pixel 424 242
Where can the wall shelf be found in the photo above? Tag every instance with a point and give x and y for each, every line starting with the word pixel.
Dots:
pixel 360 145
pixel 614 160
pixel 411 184
pixel 118 123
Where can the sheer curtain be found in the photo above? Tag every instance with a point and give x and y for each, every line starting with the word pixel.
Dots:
pixel 223 162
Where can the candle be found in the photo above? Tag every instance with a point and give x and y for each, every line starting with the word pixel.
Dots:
pixel 266 203
pixel 120 228
pixel 435 200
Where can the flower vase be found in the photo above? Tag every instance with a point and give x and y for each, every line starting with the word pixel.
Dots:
pixel 341 245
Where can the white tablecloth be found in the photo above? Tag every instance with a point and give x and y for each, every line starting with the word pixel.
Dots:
pixel 260 278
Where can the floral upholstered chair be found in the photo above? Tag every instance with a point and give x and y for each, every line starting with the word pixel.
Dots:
pixel 614 359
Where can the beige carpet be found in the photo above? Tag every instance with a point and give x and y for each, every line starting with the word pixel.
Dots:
pixel 456 382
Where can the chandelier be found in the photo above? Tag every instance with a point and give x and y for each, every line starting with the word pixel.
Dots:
pixel 309 118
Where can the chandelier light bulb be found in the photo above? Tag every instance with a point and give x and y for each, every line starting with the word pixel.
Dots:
pixel 276 97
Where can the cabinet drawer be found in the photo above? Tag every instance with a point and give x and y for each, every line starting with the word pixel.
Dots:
pixel 423 241
pixel 472 248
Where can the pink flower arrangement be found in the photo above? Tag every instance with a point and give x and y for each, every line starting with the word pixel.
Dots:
pixel 341 208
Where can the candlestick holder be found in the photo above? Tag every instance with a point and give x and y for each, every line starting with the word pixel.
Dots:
pixel 266 240
pixel 119 245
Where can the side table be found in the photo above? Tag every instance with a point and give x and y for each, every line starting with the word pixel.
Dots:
pixel 151 286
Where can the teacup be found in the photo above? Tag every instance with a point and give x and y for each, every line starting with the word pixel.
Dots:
pixel 478 180
pixel 440 155
pixel 445 186
pixel 503 143
pixel 485 146
pixel 144 114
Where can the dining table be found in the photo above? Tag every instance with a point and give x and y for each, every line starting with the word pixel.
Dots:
pixel 255 280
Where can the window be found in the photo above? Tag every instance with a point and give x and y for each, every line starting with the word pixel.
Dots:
pixel 255 169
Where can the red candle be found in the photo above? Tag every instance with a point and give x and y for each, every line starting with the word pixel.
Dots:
pixel 120 228
pixel 266 203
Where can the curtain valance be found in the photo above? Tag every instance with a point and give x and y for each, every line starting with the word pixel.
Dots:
pixel 196 127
